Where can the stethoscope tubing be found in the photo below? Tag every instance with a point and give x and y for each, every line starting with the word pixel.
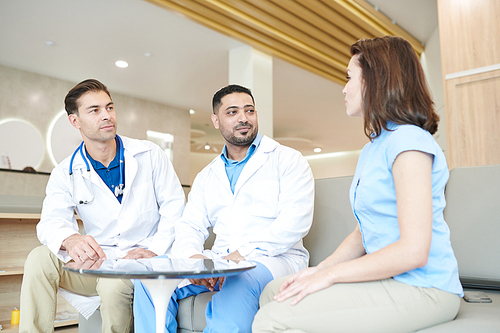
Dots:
pixel 118 189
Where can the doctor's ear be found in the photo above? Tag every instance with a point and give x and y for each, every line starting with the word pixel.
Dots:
pixel 215 120
pixel 74 120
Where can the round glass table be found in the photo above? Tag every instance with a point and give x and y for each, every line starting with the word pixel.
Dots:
pixel 160 275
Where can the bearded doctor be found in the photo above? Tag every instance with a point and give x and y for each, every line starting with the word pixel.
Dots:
pixel 128 197
pixel 258 197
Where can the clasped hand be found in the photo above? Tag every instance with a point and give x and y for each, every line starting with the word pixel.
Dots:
pixel 210 283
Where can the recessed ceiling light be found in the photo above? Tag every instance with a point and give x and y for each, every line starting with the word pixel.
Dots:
pixel 317 150
pixel 50 43
pixel 147 54
pixel 121 64
pixel 207 146
pixel 192 111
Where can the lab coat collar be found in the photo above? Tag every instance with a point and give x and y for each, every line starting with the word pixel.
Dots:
pixel 267 145
pixel 132 148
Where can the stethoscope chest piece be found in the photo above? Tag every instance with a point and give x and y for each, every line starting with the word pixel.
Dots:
pixel 119 189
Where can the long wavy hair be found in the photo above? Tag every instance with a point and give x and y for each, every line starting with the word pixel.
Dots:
pixel 395 88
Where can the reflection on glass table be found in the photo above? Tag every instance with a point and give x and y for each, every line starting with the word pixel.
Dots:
pixel 160 275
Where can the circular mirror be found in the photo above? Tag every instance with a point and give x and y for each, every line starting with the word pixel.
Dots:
pixel 21 145
pixel 62 139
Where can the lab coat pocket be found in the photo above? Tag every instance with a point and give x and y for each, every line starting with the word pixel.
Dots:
pixel 144 198
pixel 265 197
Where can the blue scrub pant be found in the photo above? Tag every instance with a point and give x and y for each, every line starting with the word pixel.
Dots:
pixel 232 309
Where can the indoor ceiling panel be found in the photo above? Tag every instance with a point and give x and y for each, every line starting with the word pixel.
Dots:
pixel 313 34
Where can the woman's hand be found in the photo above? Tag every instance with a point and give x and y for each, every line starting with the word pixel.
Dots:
pixel 307 281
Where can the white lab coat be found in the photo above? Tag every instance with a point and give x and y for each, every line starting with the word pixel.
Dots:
pixel 153 200
pixel 265 219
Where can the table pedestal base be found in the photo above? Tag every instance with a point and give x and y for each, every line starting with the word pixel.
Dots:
pixel 161 290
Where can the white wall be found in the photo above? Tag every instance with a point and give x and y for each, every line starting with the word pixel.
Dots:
pixel 37 99
pixel 431 63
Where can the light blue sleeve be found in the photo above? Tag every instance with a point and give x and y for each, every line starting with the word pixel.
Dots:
pixel 409 137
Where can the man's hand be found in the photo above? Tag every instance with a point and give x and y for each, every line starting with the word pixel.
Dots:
pixel 198 256
pixel 209 283
pixel 87 265
pixel 234 256
pixel 82 248
pixel 139 253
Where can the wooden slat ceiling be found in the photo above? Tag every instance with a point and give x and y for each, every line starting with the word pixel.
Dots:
pixel 313 34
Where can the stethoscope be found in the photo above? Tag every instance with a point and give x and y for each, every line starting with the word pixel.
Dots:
pixel 118 189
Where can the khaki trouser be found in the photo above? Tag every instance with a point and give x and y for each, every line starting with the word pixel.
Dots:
pixel 376 306
pixel 43 274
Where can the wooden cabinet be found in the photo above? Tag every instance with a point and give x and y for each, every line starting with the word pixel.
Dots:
pixel 470 59
pixel 17 239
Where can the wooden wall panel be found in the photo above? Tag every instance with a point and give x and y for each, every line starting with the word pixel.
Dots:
pixel 17 239
pixel 468 35
pixel 475 104
pixel 468 32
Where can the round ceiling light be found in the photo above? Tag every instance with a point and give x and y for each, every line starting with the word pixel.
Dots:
pixel 121 64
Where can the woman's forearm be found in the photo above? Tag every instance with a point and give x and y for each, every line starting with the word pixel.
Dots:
pixel 351 248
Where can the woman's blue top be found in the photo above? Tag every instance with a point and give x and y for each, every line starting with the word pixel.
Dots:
pixel 373 199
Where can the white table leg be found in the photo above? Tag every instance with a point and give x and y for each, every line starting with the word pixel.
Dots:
pixel 161 290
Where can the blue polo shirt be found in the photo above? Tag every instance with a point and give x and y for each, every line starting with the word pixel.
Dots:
pixel 111 174
pixel 373 199
pixel 234 168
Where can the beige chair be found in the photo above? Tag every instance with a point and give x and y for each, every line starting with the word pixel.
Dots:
pixel 473 214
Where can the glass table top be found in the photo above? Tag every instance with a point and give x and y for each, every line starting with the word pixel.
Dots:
pixel 159 267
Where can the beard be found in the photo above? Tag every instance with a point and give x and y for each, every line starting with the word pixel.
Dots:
pixel 244 140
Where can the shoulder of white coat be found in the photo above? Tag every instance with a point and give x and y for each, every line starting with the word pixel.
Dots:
pixel 270 145
pixel 64 165
pixel 210 167
pixel 135 146
pixel 206 173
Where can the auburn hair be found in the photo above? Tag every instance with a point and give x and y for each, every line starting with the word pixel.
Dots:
pixel 395 88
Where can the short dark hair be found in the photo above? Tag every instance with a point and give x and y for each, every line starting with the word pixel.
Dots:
pixel 71 100
pixel 232 88
pixel 395 88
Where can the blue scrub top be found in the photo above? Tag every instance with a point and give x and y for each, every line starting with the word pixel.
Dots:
pixel 110 175
pixel 373 199
pixel 234 168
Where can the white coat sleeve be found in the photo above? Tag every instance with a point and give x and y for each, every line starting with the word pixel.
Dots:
pixel 191 230
pixel 170 198
pixel 58 220
pixel 295 210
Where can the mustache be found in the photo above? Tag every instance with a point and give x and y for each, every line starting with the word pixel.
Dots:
pixel 245 124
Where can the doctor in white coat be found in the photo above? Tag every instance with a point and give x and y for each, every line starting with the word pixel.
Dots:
pixel 258 197
pixel 128 197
